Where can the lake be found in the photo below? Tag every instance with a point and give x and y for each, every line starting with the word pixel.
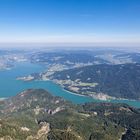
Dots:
pixel 9 86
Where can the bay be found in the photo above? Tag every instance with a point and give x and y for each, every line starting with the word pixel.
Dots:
pixel 9 86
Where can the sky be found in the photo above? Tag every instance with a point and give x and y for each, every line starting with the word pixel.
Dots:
pixel 94 22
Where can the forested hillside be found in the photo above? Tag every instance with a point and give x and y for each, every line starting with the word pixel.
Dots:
pixel 121 81
pixel 37 115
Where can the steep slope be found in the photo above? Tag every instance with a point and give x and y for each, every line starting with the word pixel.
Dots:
pixel 37 115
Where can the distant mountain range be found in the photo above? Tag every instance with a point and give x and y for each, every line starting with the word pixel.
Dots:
pixel 37 115
pixel 84 56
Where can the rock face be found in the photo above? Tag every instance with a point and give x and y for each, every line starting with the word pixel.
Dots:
pixel 37 115
pixel 42 132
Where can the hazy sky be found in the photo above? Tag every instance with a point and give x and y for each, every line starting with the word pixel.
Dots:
pixel 70 21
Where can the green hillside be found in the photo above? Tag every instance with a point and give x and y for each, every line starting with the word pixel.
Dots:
pixel 120 81
pixel 37 115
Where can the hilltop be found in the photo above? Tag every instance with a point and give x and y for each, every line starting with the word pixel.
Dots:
pixel 36 114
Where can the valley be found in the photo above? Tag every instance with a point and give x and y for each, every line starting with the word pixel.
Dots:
pixel 91 73
pixel 59 97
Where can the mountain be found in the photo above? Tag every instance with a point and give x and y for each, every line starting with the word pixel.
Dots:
pixel 68 58
pixel 120 81
pixel 133 57
pixel 37 115
pixel 72 57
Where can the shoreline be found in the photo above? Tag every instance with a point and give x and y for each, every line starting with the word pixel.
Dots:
pixel 108 100
pixel 98 96
pixel 85 95
pixel 2 99
pixel 74 93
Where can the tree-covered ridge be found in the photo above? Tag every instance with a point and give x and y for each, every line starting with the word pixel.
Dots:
pixel 67 57
pixel 37 115
pixel 121 81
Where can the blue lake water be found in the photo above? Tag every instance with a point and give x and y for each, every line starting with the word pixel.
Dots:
pixel 9 86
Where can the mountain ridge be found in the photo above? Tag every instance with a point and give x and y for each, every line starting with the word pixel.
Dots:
pixel 51 118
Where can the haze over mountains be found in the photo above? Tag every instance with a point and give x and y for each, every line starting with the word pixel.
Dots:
pixel 69 69
pixel 87 72
pixel 105 75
